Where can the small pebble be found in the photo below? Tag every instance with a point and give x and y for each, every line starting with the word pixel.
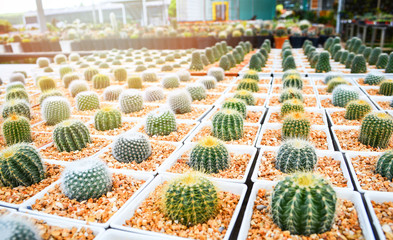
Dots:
pixel 260 207
pixel 221 229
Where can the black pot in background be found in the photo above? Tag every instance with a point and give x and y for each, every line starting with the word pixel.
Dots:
pixel 233 41
pixel 261 39
pixel 322 39
pixel 253 40
pixel 314 41
pixel 204 42
pixel 297 41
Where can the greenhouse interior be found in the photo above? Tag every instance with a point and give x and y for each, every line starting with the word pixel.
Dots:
pixel 186 119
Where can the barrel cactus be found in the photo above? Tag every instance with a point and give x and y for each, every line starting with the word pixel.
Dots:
pixel 374 78
pixel 246 96
pixel 343 94
pixel 290 93
pixel 385 165
pixel 160 122
pixel 333 83
pixel 248 84
pixel 107 118
pixel 89 73
pixel 134 146
pixel 130 101
pixel 357 109
pixel 153 94
pixel 120 74
pixel 46 83
pixel 376 130
pixel 43 62
pixel 87 100
pixel 184 75
pixel 389 65
pixel 197 91
pixel 55 109
pixel 86 179
pixel 382 61
pixel 359 64
pixel 17 106
pixel 348 62
pixel 77 87
pixel 68 78
pixel 292 81
pixel 149 76
pixel 295 125
pixel 373 58
pixel 323 64
pixel 386 87
pixel 71 135
pixel 16 129
pixel 228 125
pixel 112 93
pixel 65 70
pixel 100 81
pixel 12 227
pixel 135 82
pixel 235 104
pixel 16 93
pixel 196 62
pixel 170 81
pixel 216 72
pixel 14 85
pixel 291 105
pixel 296 155
pixel 251 74
pixel 180 102
pixel 208 81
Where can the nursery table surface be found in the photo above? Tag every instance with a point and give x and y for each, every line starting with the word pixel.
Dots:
pixel 7 69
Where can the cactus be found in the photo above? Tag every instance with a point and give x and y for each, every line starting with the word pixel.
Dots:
pixel 303 198
pixel 367 52
pixel 359 64
pixel 208 81
pixel 373 58
pixel 343 94
pixel 14 85
pixel 149 76
pixel 107 118
pixel 333 83
pixel 228 125
pixel 374 78
pixel 296 125
pixel 248 84
pixel 89 73
pixel 246 96
pixel 100 81
pixel 224 63
pixel 290 93
pixel 384 165
pixel 87 100
pixel 131 147
pixel 112 93
pixel 160 122
pixel 235 104
pixel 141 68
pixel 292 81
pixel 376 130
pixel 328 43
pixel 330 76
pixel 251 74
pixel 86 179
pixel 209 155
pixel 344 56
pixel 180 102
pixel 65 70
pixel 170 81
pixel 291 72
pixel 197 91
pixel 55 109
pixel 389 65
pixel 154 94
pixel 290 106
pixel 204 59
pixel 68 78
pixel 135 82
pixel 196 62
pixel 16 129
pixel 60 58
pixel 382 61
pixel 386 87
pixel 17 93
pixel 21 165
pixel 130 101
pixel 42 62
pixel 210 56
pixel 348 63
pixel 289 63
pixel 17 106
pixel 217 73
pixel 13 227
pixel 190 199
pixel 296 155
pixel 357 109
pixel 166 68
pixel 255 63
pixel 77 87
pixel 184 75
pixel 74 57
pixel 71 135
pixel 323 64
pixel 120 74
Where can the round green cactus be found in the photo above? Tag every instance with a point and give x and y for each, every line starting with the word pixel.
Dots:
pixel 130 101
pixel 208 81
pixel 120 74
pixel 295 125
pixel 166 68
pixel 338 55
pixel 60 58
pixel 333 83
pixel 107 118
pixel 376 130
pixel 112 93
pixel 77 87
pixel 251 74
pixel 292 81
pixel 209 155
pixel 153 94
pixel 89 73
pixel 217 73
pixel 255 63
pixel 160 122
pixel 357 109
pixel 21 165
pixel 291 105
pixel 197 91
pixel 248 84
pixel 348 63
pixel 71 135
pixel 210 56
pixel 64 70
pixel 16 93
pixel 303 198
pixel 87 100
pixel 180 102
pixel 224 63
pixel 296 155
pixel 86 179
pixel 343 94
pixel 382 61
pixel 385 165
pixel 389 65
pixel 228 125
pixel 246 96
pixel 344 56
pixel 331 75
pixel 373 58
pixel 196 62
pixel 13 227
pixel 184 75
pixel 68 78
pixel 43 62
pixel 131 147
pixel 190 199
pixel 386 87
pixel 14 85
pixel 135 82
pixel 374 78
pixel 16 129
pixel 289 63
pixel 149 76
pixel 290 93
pixel 359 64
pixel 367 52
pixel 17 106
pixel 235 104
pixel 55 109
pixel 323 64
pixel 291 72
pixel 46 83
pixel 100 81
pixel 170 81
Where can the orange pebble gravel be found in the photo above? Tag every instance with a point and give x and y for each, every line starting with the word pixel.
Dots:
pixel 348 140
pixel 248 138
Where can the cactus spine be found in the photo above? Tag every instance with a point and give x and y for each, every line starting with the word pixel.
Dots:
pixel 160 122
pixel 228 125
pixel 296 125
pixel 376 130
pixel 296 155
pixel 132 147
pixel 357 109
pixel 107 118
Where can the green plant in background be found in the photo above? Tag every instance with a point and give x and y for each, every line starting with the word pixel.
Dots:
pixel 196 62
pixel 389 65
pixel 373 58
pixel 149 76
pixel 385 165
pixel 134 82
pixel 235 104
pixel 228 125
pixel 89 73
pixel 376 130
pixel 255 63
pixel 348 63
pixel 382 61
pixel 296 155
pixel 334 82
pixel 107 118
pixel 160 122
pixel 357 109
pixel 323 64
pixel 359 64
pixel 120 74
pixel 71 135
pixel 134 146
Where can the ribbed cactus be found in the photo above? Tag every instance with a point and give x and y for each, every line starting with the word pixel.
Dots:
pixel 209 155
pixel 386 87
pixel 149 76
pixel 16 129
pixel 180 102
pixel 120 74
pixel 190 199
pixel 74 57
pixel 77 87
pixel 235 104
pixel 100 81
pixel 42 62
pixel 216 72
pixel 55 109
pixel 343 94
pixel 71 135
pixel 372 60
pixel 382 61
pixel 112 93
pixel 17 106
pixel 296 155
pixel 357 109
pixel 197 91
pixel 46 83
pixel 290 93
pixel 16 93
pixel 184 75
pixel 65 70
pixel 107 118
pixel 295 125
pixel 323 64
pixel 130 101
pixel 292 105
pixel 166 68
pixel 385 165
pixel 367 52
pixel 160 122
pixel 348 62
pixel 331 75
pixel 134 146
pixel 154 94
pixel 21 165
pixel 89 73
pixel 389 65
pixel 228 125
pixel 87 100
pixel 170 81
pixel 344 57
pixel 246 96
pixel 255 63
pixel 333 83
pixel 17 77
pixel 251 74
pixel 196 62
pixel 208 81
pixel 209 54
pixel 68 78
pixel 292 81
pixel 224 63
pixel 60 58
pixel 135 82
pixel 376 130
pixel 374 78
pixel 86 179
pixel 359 64
pixel 14 85
pixel 303 204
pixel 13 227
pixel 248 84
pixel 289 63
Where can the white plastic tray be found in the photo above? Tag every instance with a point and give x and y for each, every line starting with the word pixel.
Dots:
pixel 307 109
pixel 378 197
pixel 318 105
pixel 119 220
pixel 260 75
pixel 374 99
pixel 330 111
pixel 112 234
